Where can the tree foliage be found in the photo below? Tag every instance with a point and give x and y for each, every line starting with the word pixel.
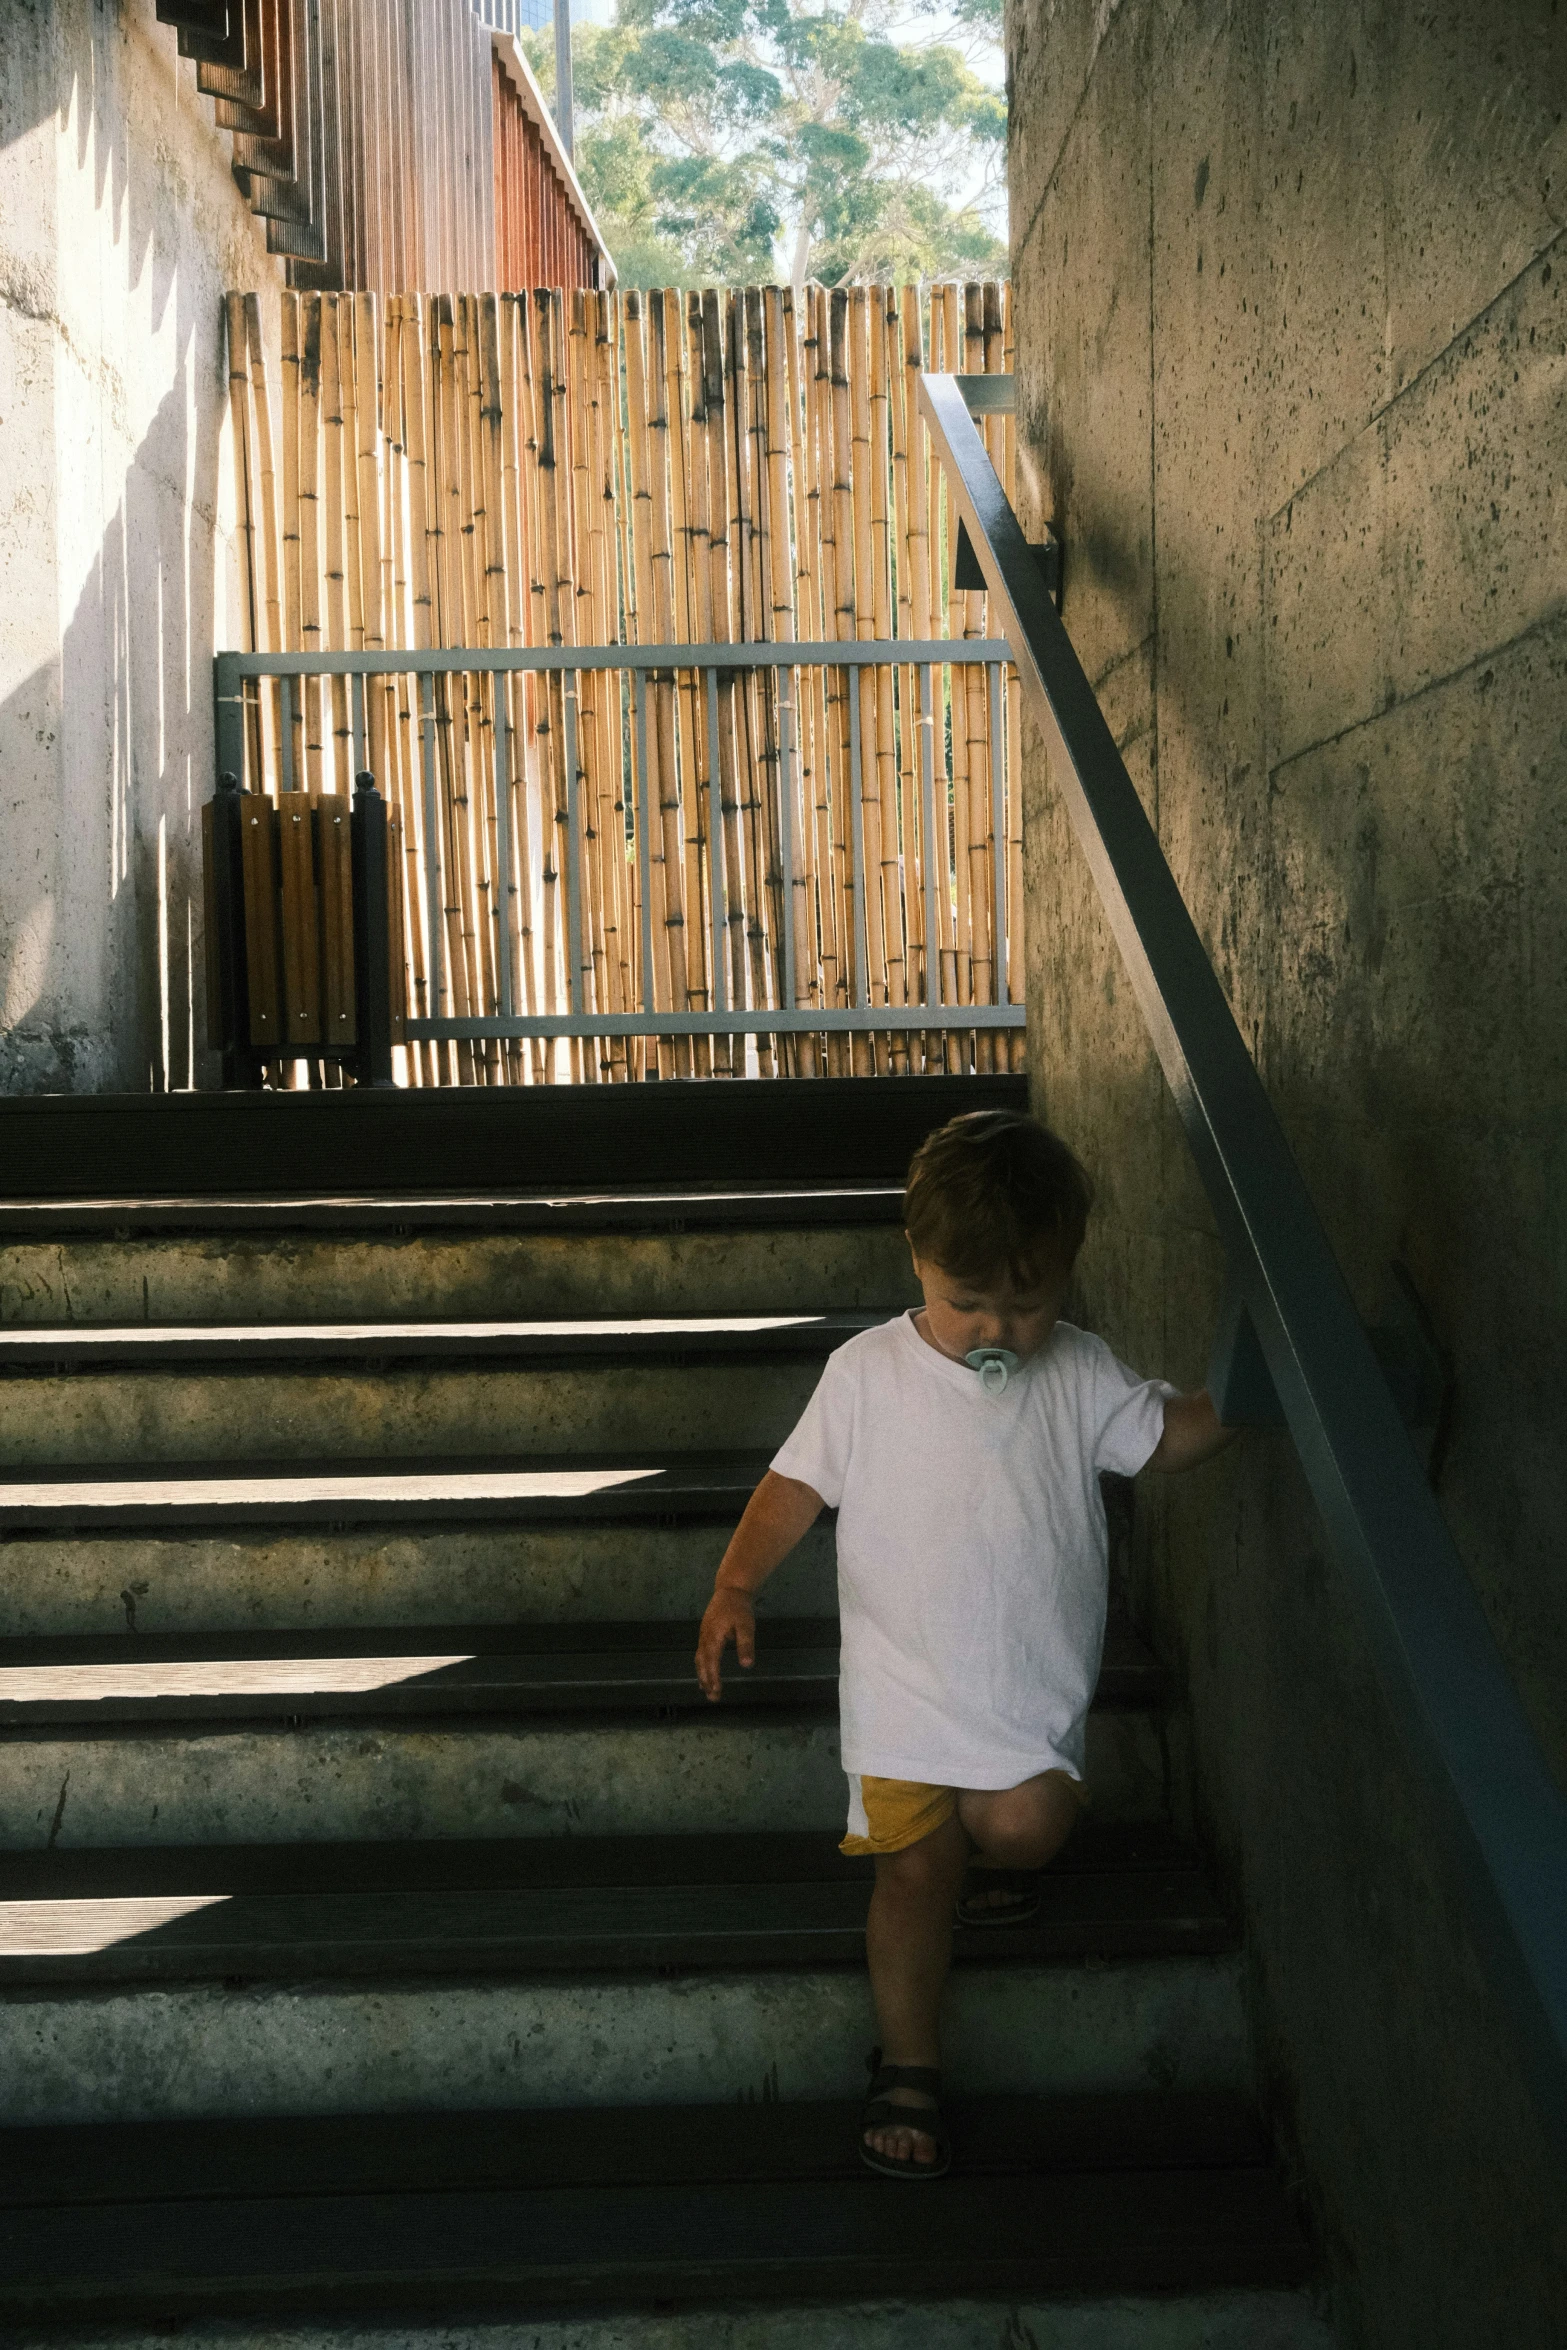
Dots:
pixel 727 141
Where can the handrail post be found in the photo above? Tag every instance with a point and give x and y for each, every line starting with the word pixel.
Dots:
pixel 372 941
pixel 228 997
pixel 228 719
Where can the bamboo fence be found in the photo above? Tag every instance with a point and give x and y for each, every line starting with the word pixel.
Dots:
pixel 547 468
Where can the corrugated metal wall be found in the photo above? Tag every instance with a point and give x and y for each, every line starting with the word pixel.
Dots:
pixel 539 237
pixel 368 137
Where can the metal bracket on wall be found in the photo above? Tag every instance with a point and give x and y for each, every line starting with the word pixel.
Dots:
pixel 969 579
pixel 1413 1360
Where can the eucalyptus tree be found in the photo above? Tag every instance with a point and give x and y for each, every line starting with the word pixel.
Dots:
pixel 734 140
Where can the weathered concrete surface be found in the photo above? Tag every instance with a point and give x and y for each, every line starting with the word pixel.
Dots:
pixel 120 228
pixel 280 1579
pixel 399 2048
pixel 1292 353
pixel 1198 2321
pixel 400 1413
pixel 454 1275
pixel 740 1771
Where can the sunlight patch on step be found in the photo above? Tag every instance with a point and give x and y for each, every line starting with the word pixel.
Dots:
pixel 406 1485
pixel 52 1337
pixel 221 1677
pixel 76 1929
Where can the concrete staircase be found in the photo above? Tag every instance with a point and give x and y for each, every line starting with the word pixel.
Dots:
pixel 393 1945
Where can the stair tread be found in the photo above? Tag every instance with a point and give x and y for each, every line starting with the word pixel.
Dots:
pixel 43 1349
pixel 77 2164
pixel 126 1916
pixel 1062 2193
pixel 793 1856
pixel 553 1138
pixel 521 1488
pixel 636 1929
pixel 654 1208
pixel 440 1670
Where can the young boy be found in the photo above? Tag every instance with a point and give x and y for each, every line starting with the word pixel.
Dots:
pixel 961 1445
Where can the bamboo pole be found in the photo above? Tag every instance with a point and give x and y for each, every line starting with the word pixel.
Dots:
pixel 447 575
pixel 497 633
pixel 800 339
pixel 624 1053
pixel 860 469
pixel 781 378
pixel 516 505
pixel 960 1043
pixel 467 627
pixel 247 499
pixel 837 559
pixel 669 834
pixel 700 573
pixel 910 768
pixel 581 327
pixel 414 344
pixel 750 753
pixel 729 747
pixel 668 342
pixel 550 409
pixel 422 1060
pixel 268 604
pixel 369 461
pixel 889 878
pixel 651 868
pixel 761 685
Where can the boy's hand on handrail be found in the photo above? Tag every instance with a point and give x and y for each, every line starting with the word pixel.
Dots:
pixel 730 1616
pixel 1193 1433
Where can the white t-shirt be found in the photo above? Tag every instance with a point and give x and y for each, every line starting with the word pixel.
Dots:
pixel 972 1551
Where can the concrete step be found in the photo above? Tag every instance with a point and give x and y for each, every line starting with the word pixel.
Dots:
pixel 673 1341
pixel 512 1488
pixel 1226 2318
pixel 405 1391
pixel 528 1907
pixel 698 2205
pixel 229 1572
pixel 757 1249
pixel 427 2043
pixel 439 1672
pixel 552 1138
pixel 746 1767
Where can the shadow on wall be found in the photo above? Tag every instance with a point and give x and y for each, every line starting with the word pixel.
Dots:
pixel 113 250
pixel 106 880
pixel 103 893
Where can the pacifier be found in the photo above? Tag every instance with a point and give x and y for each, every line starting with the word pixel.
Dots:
pixel 995 1365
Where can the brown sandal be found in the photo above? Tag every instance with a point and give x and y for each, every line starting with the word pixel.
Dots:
pixel 879 2113
pixel 1023 1883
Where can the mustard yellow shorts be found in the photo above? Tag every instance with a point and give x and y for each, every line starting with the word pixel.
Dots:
pixel 899 1812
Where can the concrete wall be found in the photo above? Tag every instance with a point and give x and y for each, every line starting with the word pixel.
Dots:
pixel 120 229
pixel 1293 382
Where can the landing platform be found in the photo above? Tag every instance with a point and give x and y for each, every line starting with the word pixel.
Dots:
pixel 506 1142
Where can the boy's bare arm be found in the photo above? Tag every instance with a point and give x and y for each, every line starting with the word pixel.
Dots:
pixel 1193 1433
pixel 778 1514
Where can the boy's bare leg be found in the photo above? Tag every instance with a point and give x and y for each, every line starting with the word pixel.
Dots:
pixel 1019 1827
pixel 908 1941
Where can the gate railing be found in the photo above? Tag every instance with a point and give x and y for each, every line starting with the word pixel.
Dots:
pixel 852 757
pixel 1502 1816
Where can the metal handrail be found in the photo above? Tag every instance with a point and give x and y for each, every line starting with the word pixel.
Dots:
pixel 1501 1815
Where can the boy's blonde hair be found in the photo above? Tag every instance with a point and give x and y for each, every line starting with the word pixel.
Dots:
pixel 995 1190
